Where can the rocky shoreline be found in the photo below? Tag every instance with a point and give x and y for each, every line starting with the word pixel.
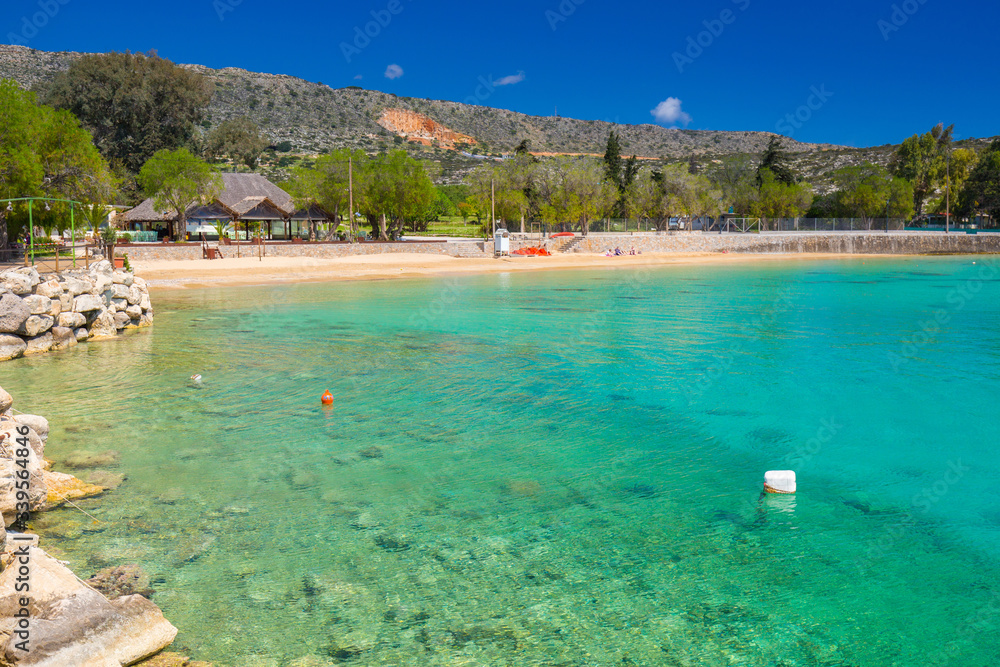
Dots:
pixel 48 615
pixel 56 311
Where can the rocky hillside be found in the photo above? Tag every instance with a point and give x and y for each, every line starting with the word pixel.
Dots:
pixel 316 118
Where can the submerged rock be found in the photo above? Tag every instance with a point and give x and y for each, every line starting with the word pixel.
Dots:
pixel 83 459
pixel 61 487
pixel 115 582
pixel 73 624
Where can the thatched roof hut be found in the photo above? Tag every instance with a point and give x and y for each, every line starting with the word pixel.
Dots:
pixel 244 198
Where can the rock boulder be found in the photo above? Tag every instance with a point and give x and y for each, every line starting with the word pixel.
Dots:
pixel 39 425
pixel 62 338
pixel 13 313
pixel 6 400
pixel 38 304
pixel 36 324
pixel 50 288
pixel 73 624
pixel 38 344
pixel 11 347
pixel 71 320
pixel 86 303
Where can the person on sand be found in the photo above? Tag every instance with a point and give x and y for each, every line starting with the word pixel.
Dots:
pixel 632 252
pixel 618 252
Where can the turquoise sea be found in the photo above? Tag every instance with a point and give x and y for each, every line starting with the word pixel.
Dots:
pixel 559 468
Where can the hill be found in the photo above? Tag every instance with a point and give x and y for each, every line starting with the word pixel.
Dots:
pixel 316 118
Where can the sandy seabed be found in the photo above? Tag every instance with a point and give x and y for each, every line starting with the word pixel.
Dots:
pixel 254 271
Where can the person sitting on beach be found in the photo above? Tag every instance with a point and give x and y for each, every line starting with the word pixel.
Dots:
pixel 618 252
pixel 632 252
pixel 608 253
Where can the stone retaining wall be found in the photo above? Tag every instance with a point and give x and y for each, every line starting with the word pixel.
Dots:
pixel 913 243
pixel 183 251
pixel 54 311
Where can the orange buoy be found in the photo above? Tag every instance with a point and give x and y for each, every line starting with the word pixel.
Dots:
pixel 327 398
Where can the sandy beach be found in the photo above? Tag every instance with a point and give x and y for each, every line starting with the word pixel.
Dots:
pixel 254 271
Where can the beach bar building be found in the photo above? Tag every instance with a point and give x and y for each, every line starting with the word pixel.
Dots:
pixel 245 199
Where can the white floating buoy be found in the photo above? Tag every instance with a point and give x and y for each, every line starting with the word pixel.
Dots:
pixel 779 481
pixel 196 378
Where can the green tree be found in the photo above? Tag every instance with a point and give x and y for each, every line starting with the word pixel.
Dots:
pixel 579 191
pixel 781 200
pixel 239 139
pixel 736 177
pixel 177 179
pixel 396 190
pixel 922 161
pixel 776 160
pixel 133 104
pixel 327 182
pixel 673 192
pixel 868 191
pixel 981 191
pixel 620 173
pixel 43 153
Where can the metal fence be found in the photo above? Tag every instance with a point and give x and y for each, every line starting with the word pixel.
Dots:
pixel 728 225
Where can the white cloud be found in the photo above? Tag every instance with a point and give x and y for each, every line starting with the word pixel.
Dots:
pixel 510 80
pixel 357 78
pixel 668 112
pixel 393 71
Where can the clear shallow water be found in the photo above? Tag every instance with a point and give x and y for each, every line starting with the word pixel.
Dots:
pixel 554 469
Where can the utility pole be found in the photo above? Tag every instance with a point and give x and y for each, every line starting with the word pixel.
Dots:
pixel 350 197
pixel 493 204
pixel 947 194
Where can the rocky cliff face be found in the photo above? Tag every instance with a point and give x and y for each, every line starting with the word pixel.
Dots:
pixel 418 127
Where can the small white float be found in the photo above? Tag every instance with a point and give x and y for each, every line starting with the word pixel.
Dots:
pixel 779 481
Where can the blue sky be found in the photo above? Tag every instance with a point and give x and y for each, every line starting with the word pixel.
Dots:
pixel 852 72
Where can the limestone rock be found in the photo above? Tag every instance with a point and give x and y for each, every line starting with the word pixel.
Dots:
pixel 75 286
pixel 36 324
pixel 62 338
pixel 134 296
pixel 37 304
pixel 121 278
pixel 86 303
pixel 144 302
pixel 13 313
pixel 39 425
pixel 147 319
pixel 121 320
pixel 119 304
pixel 10 475
pixel 6 400
pixel 135 312
pixel 81 334
pixel 103 326
pixel 71 320
pixel 140 283
pixel 50 288
pixel 55 307
pixel 119 291
pixel 65 302
pixel 12 347
pixel 109 480
pixel 102 268
pixel 38 344
pixel 72 624
pixel 61 487
pixel 17 282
